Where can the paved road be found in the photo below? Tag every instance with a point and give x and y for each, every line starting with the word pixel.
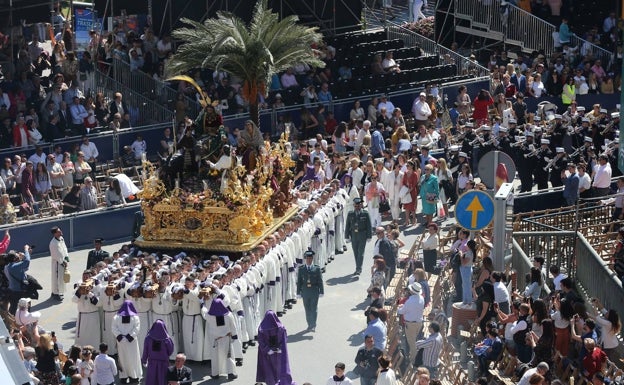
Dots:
pixel 312 355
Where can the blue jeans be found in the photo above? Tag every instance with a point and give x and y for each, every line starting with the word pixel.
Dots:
pixel 466 276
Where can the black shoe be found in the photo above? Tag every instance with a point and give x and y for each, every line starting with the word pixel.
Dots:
pixel 252 343
pixel 288 306
pixel 215 377
pixel 294 301
pixel 239 362
pixel 245 345
pixel 344 248
pixel 280 314
pixel 232 376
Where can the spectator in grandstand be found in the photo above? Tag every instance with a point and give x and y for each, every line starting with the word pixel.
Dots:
pixel 595 360
pixel 543 345
pixel 88 195
pixel 113 196
pixel 481 104
pixel 601 176
pixel 90 151
pixel 118 105
pixel 610 324
pixel 485 306
pixel 519 332
pixel 324 95
pixel 71 201
pixel 288 79
pixel 488 350
pixel 539 371
pixel 432 346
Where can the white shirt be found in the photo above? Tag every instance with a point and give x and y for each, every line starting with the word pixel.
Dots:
pixel 105 369
pixel 584 182
pixel 538 88
pixel 346 381
pixel 89 151
pixel 602 176
pixel 139 148
pixel 557 280
pixel 412 310
pixel 526 376
pixel 127 187
pixel 421 110
pixel 36 159
pixel 500 292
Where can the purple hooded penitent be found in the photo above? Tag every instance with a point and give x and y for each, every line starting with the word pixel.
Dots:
pixel 127 309
pixel 157 348
pixel 273 364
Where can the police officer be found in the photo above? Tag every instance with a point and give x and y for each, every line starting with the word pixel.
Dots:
pixel 310 288
pixel 358 228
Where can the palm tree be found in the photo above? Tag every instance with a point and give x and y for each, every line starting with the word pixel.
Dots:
pixel 253 53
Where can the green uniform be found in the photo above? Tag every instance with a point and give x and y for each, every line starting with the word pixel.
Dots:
pixel 310 287
pixel 359 230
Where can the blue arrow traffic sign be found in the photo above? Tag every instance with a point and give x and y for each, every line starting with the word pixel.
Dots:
pixel 474 210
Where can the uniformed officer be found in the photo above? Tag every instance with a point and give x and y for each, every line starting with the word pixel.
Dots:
pixel 310 288
pixel 96 255
pixel 358 228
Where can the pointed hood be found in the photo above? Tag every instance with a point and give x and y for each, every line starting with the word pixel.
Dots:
pixel 127 309
pixel 217 308
pixel 158 331
pixel 270 321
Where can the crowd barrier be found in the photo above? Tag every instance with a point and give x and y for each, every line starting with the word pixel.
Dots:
pixel 79 230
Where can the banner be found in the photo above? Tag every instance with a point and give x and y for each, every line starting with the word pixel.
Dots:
pixel 84 20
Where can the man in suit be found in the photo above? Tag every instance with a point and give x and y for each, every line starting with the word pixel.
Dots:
pixel 571 185
pixel 97 254
pixel 178 374
pixel 310 288
pixel 358 228
pixel 118 105
pixel 383 247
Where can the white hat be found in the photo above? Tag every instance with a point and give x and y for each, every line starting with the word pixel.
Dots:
pixel 588 139
pixel 486 128
pixel 504 129
pixel 278 96
pixel 415 288
pixel 580 109
pixel 545 141
pixel 585 120
pixel 559 150
pixel 537 129
pixel 454 148
pixel 463 154
pixel 422 94
pixel 512 121
pixel 530 134
pixel 615 115
pixel 557 116
pixel 603 111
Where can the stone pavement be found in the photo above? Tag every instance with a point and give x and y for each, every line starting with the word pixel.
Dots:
pixel 312 355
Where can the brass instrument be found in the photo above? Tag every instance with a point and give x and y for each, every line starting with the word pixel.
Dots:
pixel 520 141
pixel 491 141
pixel 86 286
pixel 205 293
pixel 533 153
pixel 477 140
pixel 576 151
pixel 551 162
pixel 610 146
pixel 607 128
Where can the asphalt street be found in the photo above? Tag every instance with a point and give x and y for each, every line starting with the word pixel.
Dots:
pixel 312 356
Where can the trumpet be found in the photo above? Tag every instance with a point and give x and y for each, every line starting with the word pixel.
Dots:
pixel 610 146
pixel 607 128
pixel 576 152
pixel 520 141
pixel 477 140
pixel 550 163
pixel 533 153
pixel 490 141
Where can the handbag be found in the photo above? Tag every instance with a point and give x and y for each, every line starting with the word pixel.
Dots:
pixel 66 276
pixel 431 197
pixel 384 205
pixel 404 195
pixel 25 209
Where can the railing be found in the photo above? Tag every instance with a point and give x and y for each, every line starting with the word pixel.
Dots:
pixel 594 278
pixel 143 111
pixel 413 39
pixel 557 247
pixel 522 28
pixel 151 88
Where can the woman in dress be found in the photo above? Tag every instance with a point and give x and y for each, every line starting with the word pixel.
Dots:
pixel 562 316
pixel 374 191
pixel 430 248
pixel 410 179
pixel 481 105
pixel 445 179
pixel 429 193
pixel 68 168
pixel 487 268
pixel 465 269
pixel 113 194
pixel 357 112
pixel 340 138
pixel 46 352
pixel 86 367
pixel 82 169
pixel 378 277
pixel 462 179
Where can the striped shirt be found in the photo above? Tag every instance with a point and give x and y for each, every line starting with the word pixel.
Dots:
pixel 432 347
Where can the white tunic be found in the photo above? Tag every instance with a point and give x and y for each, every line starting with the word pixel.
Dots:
pixel 129 356
pixel 192 326
pixel 218 342
pixel 110 306
pixel 88 323
pixel 58 252
pixel 162 308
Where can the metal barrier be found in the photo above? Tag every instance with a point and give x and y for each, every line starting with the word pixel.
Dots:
pixel 557 248
pixel 143 111
pixel 594 278
pixel 521 29
pixel 413 39
pixel 151 88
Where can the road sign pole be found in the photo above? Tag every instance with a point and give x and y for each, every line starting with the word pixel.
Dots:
pixel 501 233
